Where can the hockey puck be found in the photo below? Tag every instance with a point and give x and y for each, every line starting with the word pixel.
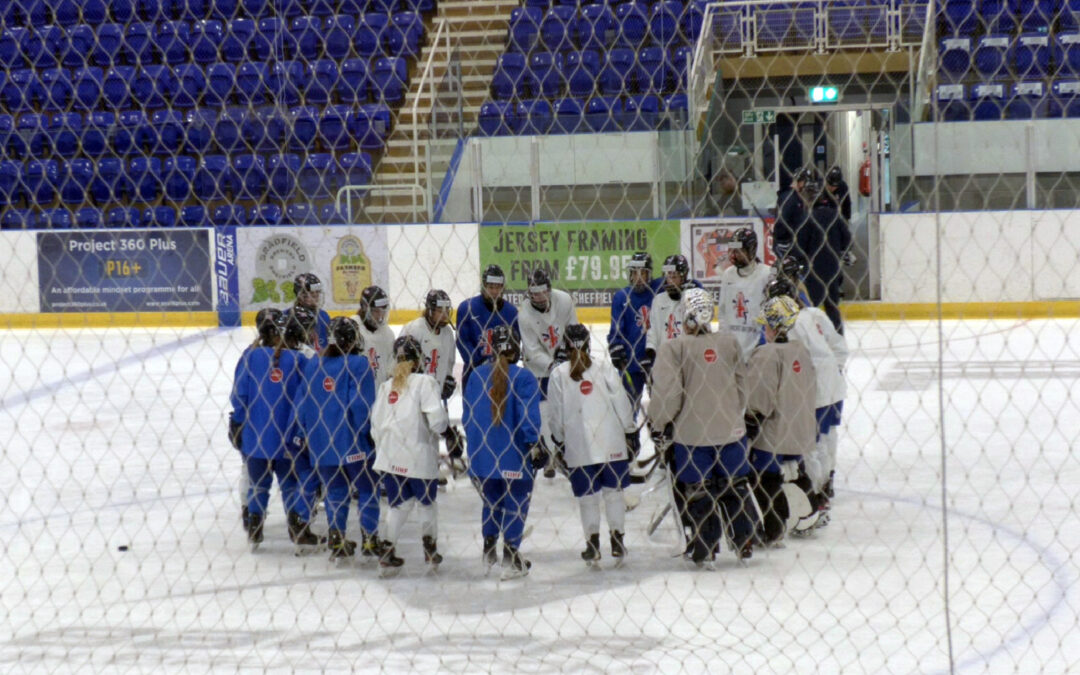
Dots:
pixel 121 548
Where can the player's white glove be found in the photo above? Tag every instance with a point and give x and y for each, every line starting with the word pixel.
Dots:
pixel 849 259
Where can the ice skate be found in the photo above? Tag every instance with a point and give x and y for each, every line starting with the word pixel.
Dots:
pixel 431 554
pixel 342 550
pixel 591 554
pixel 514 565
pixel 255 530
pixel 389 563
pixel 746 552
pixel 371 547
pixel 491 556
pixel 305 541
pixel 618 549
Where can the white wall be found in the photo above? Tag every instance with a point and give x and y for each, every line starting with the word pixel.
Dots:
pixel 953 148
pixel 423 257
pixel 19 284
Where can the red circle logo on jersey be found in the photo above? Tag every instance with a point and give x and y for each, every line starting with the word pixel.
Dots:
pixel 275 375
pixel 393 397
pixel 710 356
pixel 586 387
pixel 797 367
pixel 328 383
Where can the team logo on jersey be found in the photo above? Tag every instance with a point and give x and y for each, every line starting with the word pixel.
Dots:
pixel 673 326
pixel 431 363
pixel 710 356
pixel 373 358
pixel 797 367
pixel 641 318
pixel 393 397
pixel 275 375
pixel 819 330
pixel 328 383
pixel 551 338
pixel 487 342
pixel 586 387
pixel 741 311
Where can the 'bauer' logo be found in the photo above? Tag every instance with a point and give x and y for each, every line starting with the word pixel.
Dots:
pixel 328 383
pixel 710 356
pixel 393 397
pixel 586 387
pixel 275 375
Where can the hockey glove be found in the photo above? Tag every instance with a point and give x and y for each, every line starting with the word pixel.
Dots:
pixel 236 431
pixel 647 361
pixel 633 445
pixel 618 356
pixel 849 259
pixel 753 425
pixel 538 455
pixel 449 385
pixel 664 447
pixel 455 444
pixel 558 458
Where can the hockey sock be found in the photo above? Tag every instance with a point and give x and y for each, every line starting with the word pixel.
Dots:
pixel 429 519
pixel 590 514
pixel 515 510
pixel 290 489
pixel 395 520
pixel 736 501
pixel 615 509
pixel 814 466
pixel 337 496
pixel 366 489
pixel 701 511
pixel 259 481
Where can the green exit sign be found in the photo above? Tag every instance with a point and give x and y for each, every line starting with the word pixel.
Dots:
pixel 758 116
pixel 824 94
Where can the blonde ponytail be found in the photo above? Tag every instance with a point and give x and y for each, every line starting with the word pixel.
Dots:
pixel 402 370
pixel 500 381
pixel 580 361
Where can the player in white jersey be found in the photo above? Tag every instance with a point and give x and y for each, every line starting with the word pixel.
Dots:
pixel 378 338
pixel 666 313
pixel 742 290
pixel 436 338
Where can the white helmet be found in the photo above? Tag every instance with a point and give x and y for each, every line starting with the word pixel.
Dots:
pixel 698 308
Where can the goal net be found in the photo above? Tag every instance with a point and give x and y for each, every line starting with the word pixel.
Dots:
pixel 819 414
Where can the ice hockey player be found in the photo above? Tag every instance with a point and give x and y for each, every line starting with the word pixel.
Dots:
pixel 478 316
pixel 502 425
pixel 592 425
pixel 697 405
pixel 308 291
pixel 406 422
pixel 334 417
pixel 436 338
pixel 376 336
pixel 742 289
pixel 630 309
pixel 780 388
pixel 666 312
pixel 264 391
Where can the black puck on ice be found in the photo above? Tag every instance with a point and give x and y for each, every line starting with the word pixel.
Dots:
pixel 121 548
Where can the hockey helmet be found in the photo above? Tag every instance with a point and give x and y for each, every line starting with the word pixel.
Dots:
pixel 746 239
pixel 493 274
pixel 781 287
pixel 372 297
pixel 503 341
pixel 677 263
pixel 269 323
pixel 344 333
pixel 793 267
pixel 834 177
pixel 577 337
pixel 306 281
pixel 407 348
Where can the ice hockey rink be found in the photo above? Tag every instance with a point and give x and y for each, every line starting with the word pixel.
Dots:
pixel 117 438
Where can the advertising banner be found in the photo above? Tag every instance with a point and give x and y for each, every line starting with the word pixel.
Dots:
pixel 346 259
pixel 588 260
pixel 125 270
pixel 226 278
pixel 706 240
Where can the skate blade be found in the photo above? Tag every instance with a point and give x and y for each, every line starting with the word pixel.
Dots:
pixel 593 565
pixel 432 569
pixel 343 563
pixel 254 546
pixel 620 562
pixel 388 572
pixel 512 575
pixel 305 550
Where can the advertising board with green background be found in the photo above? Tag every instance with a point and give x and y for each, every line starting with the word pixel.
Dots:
pixel 588 260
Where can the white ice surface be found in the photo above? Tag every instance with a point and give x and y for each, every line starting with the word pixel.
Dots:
pixel 117 437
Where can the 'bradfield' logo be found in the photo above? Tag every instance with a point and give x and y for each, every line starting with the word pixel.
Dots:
pixel 710 356
pixel 278 259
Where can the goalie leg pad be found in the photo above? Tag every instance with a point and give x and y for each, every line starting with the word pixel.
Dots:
pixel 704 523
pixel 769 493
pixel 735 497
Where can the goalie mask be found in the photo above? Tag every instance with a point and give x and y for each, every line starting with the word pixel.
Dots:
pixel 779 314
pixel 698 309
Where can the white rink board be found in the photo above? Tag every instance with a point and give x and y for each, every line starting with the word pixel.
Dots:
pixel 118 438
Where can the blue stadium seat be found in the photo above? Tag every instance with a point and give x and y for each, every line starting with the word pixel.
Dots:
pixel 133 133
pixel 304 123
pixel 266 214
pixel 524 28
pixel 654 72
pixel 251 173
pixel 290 9
pixel 194 10
pixel 954 57
pixel 283 170
pixel 206 37
pixel 228 130
pixel 300 214
pixel 371 126
pixel 543 76
pixel 10 184
pixel 384 6
pixel 168 130
pixel 58 44
pixel 145 176
pixel 322 8
pixel 138 46
pixel 239 34
pixel 253 130
pixel 251 83
pixel 82 43
pixel 509 80
pixel 65 129
pixel 1028 101
pixel 994 16
pixel 110 183
pixel 215 179
pixel 178 175
pixel 604 113
pixel 535 116
pixel 951 102
pixel 121 216
pixel 390 79
pixel 1035 14
pixel 1065 99
pixel 1069 17
pixel 633 22
pixel 220 83
pixel 33 12
pixel 88 84
pixel 199 130
pixel 495 119
pixel 557 29
pixel 194 216
pixel 275 125
pixel 96 132
pixel 190 84
pixel 64 12
pixel 88 218
pixel 855 22
pixel 287 80
pixel 322 78
pixel 334 127
pixel 57 87
pixel 154 86
pixel 156 10
pixel 643 113
pixel 116 87
pixel 1031 55
pixel 355 168
pixel 580 69
pixel 368 35
pixel 32 128
pixel 10 54
pixel 268 40
pixel 353 83
pixel 75 177
pixel 256 8
pixel 664 22
pixel 338 31
pixel 54 219
pixel 318 175
pixel 1067 54
pixel 960 17
pixel 305 38
pixel 404 34
pixel 230 215
pixel 596 27
pixel 122 11
pixel 37 55
pixel 159 216
pixel 616 76
pixel 987 101
pixel 989 57
pixel 421 6
pixel 108 48
pixel 17 219
pixel 171 39
pixel 21 91
pixel 568 116
pixel 7 133
pixel 40 178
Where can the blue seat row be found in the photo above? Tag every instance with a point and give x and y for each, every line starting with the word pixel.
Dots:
pixel 1027 55
pixel 1000 100
pixel 621 71
pixel 300 213
pixel 175 42
pixel 571 115
pixel 598 26
pixel 93 12
pixel 968 17
pixel 180 178
pixel 290 83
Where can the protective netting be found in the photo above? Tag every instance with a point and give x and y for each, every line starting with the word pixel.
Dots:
pixel 881 484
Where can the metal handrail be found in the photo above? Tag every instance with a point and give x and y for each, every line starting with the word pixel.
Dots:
pixel 442 32
pixel 926 73
pixel 376 190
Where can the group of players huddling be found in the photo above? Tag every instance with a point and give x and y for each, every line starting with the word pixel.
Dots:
pixel 742 414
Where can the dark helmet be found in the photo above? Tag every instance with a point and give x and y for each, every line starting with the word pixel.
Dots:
pixel 306 281
pixel 302 315
pixel 269 323
pixel 577 336
pixel 407 348
pixel 781 286
pixel 834 177
pixel 793 267
pixel 640 260
pixel 493 274
pixel 539 281
pixel 806 175
pixel 747 240
pixel 344 333
pixel 504 341
pixel 371 298
pixel 677 263
pixel 436 299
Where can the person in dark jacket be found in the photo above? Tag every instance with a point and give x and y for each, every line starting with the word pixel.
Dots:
pixel 791 210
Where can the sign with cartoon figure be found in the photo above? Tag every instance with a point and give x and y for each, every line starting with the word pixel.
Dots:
pixel 707 241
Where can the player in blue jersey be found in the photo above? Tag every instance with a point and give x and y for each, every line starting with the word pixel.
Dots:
pixel 334 417
pixel 308 290
pixel 478 316
pixel 630 309
pixel 263 397
pixel 502 425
